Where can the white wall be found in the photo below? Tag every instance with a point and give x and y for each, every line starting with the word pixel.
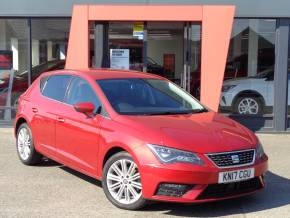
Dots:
pixel 158 47
pixel 2 35
pixel 14 48
pixel 35 52
pixel 49 50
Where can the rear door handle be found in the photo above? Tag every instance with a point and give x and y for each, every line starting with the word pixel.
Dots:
pixel 34 110
pixel 60 119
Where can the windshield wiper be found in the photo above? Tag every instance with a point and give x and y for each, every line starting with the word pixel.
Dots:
pixel 156 113
pixel 202 110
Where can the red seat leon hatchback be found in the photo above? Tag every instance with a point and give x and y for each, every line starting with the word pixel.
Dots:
pixel 141 135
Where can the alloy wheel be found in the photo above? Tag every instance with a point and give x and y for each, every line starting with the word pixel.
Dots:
pixel 123 181
pixel 248 106
pixel 24 144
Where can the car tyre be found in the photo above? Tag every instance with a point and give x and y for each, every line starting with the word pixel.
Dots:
pixel 248 105
pixel 25 146
pixel 118 185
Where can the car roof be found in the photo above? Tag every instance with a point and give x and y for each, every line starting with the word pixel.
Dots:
pixel 104 73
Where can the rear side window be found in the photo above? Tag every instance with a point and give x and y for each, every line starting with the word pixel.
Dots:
pixel 55 86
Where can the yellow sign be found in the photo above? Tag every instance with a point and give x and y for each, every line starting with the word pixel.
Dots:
pixel 138 30
pixel 138 27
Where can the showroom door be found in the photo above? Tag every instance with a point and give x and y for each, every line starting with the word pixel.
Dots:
pixel 168 49
pixel 165 50
pixel 173 51
pixel 185 76
pixel 192 35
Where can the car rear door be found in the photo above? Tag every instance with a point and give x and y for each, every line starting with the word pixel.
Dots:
pixel 77 134
pixel 43 107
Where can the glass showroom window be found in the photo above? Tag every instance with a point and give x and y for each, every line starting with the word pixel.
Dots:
pixel 195 62
pixel 49 38
pixel 13 64
pixel 165 49
pixel 288 105
pixel 126 45
pixel 288 94
pixel 248 87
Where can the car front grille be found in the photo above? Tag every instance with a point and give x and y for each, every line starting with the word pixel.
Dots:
pixel 231 189
pixel 232 159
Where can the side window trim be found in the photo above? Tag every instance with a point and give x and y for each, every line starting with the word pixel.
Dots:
pixel 42 83
pixel 68 89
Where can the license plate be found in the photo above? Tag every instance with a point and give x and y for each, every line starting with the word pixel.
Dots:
pixel 236 175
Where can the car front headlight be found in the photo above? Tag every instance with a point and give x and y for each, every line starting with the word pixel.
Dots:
pixel 171 155
pixel 226 88
pixel 259 150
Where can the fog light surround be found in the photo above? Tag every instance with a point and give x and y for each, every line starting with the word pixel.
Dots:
pixel 173 189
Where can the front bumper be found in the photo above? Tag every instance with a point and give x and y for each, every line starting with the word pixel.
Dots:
pixel 202 180
pixel 226 99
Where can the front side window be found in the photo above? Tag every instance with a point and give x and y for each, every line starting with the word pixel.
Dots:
pixel 133 96
pixel 55 86
pixel 81 91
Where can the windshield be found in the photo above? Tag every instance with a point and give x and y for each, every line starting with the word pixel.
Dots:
pixel 135 96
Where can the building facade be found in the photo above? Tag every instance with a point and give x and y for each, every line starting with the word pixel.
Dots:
pixel 34 37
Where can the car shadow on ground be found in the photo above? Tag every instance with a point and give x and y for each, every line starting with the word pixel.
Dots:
pixel 51 163
pixel 45 162
pixel 276 194
pixel 82 176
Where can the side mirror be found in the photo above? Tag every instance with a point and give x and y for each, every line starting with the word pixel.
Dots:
pixel 85 107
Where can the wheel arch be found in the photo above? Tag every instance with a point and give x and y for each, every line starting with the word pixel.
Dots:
pixel 247 93
pixel 112 150
pixel 19 121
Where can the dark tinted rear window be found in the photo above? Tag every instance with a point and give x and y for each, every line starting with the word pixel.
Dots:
pixel 55 87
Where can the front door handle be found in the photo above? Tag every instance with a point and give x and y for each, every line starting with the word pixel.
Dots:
pixel 60 119
pixel 34 110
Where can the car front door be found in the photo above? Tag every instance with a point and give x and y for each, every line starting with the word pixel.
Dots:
pixel 77 134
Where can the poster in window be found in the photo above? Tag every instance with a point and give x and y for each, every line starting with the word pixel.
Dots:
pixel 138 30
pixel 119 59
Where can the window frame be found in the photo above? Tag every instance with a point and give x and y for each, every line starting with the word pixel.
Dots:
pixel 46 78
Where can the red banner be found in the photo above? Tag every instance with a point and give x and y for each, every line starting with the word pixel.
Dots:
pixel 5 59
